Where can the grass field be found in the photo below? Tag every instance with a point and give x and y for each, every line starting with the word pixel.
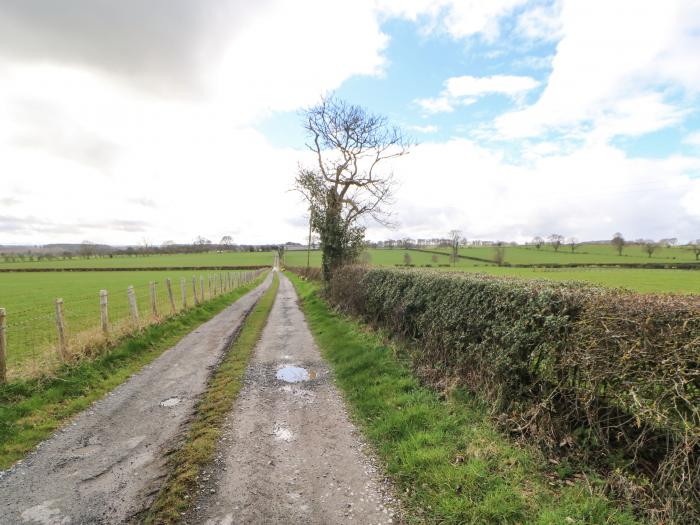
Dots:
pixel 584 254
pixel 29 297
pixel 150 261
pixel 640 280
pixel 30 308
pixel 382 257
pixel 637 279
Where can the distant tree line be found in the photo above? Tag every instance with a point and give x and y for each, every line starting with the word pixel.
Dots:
pixel 555 241
pixel 90 250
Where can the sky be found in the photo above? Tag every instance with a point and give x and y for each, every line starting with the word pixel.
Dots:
pixel 131 121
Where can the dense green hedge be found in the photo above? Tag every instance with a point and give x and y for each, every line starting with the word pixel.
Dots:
pixel 612 374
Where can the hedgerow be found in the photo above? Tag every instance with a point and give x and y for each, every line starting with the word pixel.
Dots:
pixel 307 272
pixel 608 376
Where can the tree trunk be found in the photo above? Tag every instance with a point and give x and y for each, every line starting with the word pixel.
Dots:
pixel 331 237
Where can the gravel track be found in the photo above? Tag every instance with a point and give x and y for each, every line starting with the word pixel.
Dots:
pixel 108 463
pixel 289 453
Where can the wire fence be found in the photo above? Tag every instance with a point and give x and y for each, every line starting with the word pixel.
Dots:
pixel 34 341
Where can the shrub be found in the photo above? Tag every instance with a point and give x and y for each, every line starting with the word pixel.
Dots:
pixel 609 375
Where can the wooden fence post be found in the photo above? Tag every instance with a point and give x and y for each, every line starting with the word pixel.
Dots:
pixel 154 305
pixel 194 290
pixel 3 348
pixel 221 283
pixel 209 283
pixel 104 316
pixel 169 286
pixel 133 306
pixel 61 329
pixel 183 291
pixel 201 289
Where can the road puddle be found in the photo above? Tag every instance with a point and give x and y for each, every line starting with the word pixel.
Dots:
pixel 294 374
pixel 170 402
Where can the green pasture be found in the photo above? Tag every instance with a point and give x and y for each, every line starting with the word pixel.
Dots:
pixel 639 280
pixel 29 301
pixel 584 254
pixel 382 257
pixel 148 261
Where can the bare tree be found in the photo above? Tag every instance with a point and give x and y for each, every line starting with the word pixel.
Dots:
pixel 88 249
pixel 201 244
pixel 455 237
pixel 538 242
pixel 499 254
pixel 146 246
pixel 573 243
pixel 226 241
pixel 345 184
pixel 618 241
pixel 650 247
pixel 555 240
pixel 695 247
pixel 407 260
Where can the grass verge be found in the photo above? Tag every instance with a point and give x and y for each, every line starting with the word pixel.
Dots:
pixel 30 410
pixel 448 460
pixel 199 444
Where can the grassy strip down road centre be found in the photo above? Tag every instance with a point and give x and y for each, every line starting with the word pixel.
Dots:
pixel 199 446
pixel 30 410
pixel 448 461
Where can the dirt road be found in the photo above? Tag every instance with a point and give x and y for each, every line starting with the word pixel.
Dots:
pixel 105 466
pixel 289 454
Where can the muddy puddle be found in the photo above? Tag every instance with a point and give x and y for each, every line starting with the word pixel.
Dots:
pixel 295 374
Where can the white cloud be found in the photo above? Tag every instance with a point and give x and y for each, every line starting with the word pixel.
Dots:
pixel 612 57
pixel 457 18
pixel 541 22
pixel 435 105
pixel 466 85
pixel 693 139
pixel 97 146
pixel 465 90
pixel 85 153
pixel 589 193
pixel 283 60
pixel 430 128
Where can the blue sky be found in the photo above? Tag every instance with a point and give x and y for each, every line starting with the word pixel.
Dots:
pixel 417 66
pixel 531 117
